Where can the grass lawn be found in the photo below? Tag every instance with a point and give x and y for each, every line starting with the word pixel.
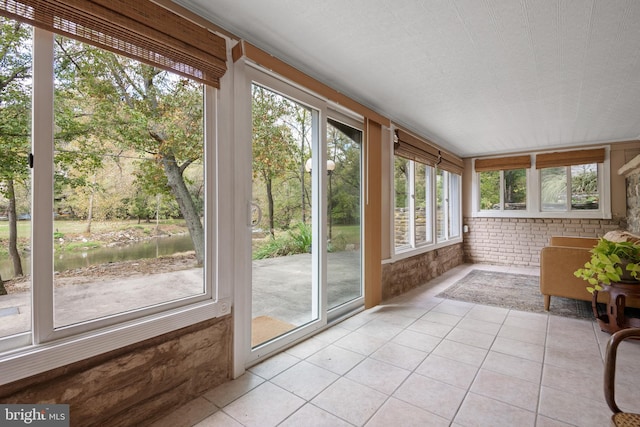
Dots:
pixel 350 233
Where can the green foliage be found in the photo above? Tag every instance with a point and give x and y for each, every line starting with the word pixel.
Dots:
pixel 607 261
pixel 301 237
pixel 489 189
pixel 77 246
pixel 15 100
pixel 134 129
pixel 554 184
pixel 401 180
pixel 584 180
pixel 296 241
pixel 515 186
pixel 272 138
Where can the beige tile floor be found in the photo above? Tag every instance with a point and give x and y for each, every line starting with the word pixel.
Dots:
pixel 418 360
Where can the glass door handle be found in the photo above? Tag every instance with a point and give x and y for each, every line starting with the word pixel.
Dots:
pixel 255 214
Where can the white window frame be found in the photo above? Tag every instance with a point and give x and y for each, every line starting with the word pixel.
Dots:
pixel 502 209
pixel 45 347
pixel 534 195
pixel 452 207
pixel 406 251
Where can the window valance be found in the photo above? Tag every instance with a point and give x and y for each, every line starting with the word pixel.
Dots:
pixel 413 148
pixel 503 163
pixel 569 158
pixel 139 29
pixel 451 163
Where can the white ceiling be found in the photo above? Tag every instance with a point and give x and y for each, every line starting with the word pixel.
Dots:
pixel 477 77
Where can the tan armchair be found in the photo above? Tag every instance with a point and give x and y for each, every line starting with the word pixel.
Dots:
pixel 558 261
pixel 562 257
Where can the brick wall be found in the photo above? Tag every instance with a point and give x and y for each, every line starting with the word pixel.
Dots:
pixel 518 241
pixel 133 386
pixel 405 274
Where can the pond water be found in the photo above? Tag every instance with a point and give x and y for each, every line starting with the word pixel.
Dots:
pixel 153 248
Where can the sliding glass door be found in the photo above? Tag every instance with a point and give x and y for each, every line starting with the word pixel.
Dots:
pixel 284 294
pixel 344 255
pixel 305 212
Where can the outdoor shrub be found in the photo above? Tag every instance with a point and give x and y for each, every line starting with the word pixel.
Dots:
pixel 337 244
pixel 301 236
pixel 296 241
pixel 274 247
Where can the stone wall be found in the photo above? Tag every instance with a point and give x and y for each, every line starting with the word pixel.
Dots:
pixel 401 224
pixel 135 385
pixel 518 241
pixel 633 202
pixel 405 274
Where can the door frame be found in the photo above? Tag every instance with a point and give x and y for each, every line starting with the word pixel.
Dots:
pixel 244 355
pixel 245 73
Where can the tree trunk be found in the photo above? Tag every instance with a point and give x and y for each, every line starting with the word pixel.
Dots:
pixel 158 214
pixel 272 229
pixel 90 213
pixel 13 230
pixel 185 202
pixel 3 290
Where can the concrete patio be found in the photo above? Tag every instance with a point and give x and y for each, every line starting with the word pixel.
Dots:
pixel 281 289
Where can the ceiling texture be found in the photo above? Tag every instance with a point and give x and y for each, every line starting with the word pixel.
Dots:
pixel 477 77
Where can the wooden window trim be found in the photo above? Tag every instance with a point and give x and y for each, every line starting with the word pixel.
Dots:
pixel 244 49
pixel 141 29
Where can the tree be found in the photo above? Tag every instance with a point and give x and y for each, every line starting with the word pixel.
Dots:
pixel 401 180
pixel 272 141
pixel 15 97
pixel 515 186
pixel 345 195
pixel 147 111
pixel 489 189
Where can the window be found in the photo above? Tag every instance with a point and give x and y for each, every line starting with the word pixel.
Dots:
pixel 413 216
pixel 427 195
pixel 563 184
pixel 402 197
pixel 503 183
pixel 15 186
pixel 124 149
pixel 503 190
pixel 422 212
pixel 570 188
pixel 448 205
pixel 128 172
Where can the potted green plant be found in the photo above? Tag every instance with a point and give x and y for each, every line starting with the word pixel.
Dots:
pixel 611 262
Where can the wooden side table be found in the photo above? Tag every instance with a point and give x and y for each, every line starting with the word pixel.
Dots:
pixel 614 319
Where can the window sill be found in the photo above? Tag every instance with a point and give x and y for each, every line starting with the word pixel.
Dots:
pixel 32 360
pixel 552 215
pixel 411 252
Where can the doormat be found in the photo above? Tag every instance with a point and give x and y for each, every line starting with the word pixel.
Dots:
pixel 513 291
pixel 265 328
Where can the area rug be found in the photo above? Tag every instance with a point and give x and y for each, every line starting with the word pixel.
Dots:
pixel 513 291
